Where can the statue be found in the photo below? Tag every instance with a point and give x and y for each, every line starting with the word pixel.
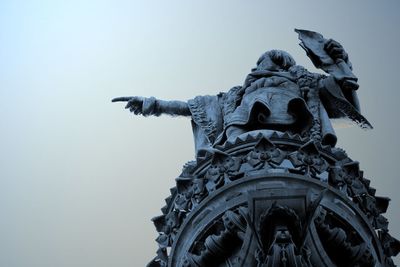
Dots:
pixel 276 95
pixel 268 187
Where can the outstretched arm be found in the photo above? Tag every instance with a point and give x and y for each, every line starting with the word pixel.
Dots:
pixel 152 106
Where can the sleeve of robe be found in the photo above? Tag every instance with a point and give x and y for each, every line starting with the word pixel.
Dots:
pixel 340 104
pixel 207 121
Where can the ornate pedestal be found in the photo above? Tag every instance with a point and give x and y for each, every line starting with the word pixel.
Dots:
pixel 274 199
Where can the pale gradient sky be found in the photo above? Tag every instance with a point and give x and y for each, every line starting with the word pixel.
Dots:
pixel 80 178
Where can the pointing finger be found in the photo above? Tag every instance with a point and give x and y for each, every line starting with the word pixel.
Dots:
pixel 122 99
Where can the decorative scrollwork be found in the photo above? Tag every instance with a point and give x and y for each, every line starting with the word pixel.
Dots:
pixel 265 155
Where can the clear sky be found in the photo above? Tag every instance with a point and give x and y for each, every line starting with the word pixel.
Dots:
pixel 80 178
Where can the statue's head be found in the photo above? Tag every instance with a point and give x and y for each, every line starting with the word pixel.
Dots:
pixel 275 60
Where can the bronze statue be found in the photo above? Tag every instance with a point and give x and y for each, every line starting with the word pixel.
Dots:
pixel 276 95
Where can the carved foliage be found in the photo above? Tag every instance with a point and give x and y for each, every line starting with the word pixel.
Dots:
pixel 265 155
pixel 223 169
pixel 309 159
